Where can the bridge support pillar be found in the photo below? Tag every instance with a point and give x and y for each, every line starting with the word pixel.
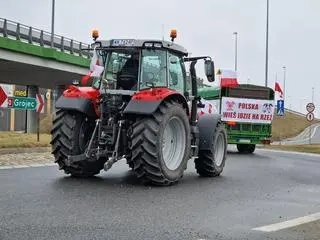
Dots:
pixel 32 122
pixel 56 93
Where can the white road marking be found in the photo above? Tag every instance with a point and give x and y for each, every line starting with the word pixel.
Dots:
pixel 27 166
pixel 291 152
pixel 289 223
pixel 20 166
pixel 50 164
pixel 5 167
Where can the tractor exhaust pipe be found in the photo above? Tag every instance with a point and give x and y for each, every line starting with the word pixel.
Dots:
pixel 194 92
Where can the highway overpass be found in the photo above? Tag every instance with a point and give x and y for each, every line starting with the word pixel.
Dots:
pixel 28 58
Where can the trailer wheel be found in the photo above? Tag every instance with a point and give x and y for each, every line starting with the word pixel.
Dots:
pixel 246 148
pixel 71 133
pixel 160 145
pixel 210 163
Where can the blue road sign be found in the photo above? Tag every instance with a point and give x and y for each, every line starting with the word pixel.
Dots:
pixel 280 107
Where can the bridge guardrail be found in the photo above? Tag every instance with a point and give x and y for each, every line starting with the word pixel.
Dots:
pixel 42 38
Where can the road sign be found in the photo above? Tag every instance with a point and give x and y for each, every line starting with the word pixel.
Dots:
pixel 40 103
pixel 3 97
pixel 310 107
pixel 25 103
pixel 280 107
pixel 310 116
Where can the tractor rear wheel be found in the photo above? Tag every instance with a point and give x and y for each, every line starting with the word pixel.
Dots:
pixel 160 145
pixel 71 133
pixel 210 163
pixel 246 148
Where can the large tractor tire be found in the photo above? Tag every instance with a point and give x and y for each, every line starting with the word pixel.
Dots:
pixel 71 133
pixel 246 148
pixel 210 163
pixel 160 145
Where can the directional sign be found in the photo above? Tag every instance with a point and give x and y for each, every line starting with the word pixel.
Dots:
pixel 310 107
pixel 25 103
pixel 3 97
pixel 40 103
pixel 280 107
pixel 310 116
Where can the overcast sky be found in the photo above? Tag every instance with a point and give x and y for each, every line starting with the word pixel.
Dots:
pixel 204 27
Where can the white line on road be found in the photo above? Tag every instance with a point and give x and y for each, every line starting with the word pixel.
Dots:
pixel 27 166
pixel 291 152
pixel 289 224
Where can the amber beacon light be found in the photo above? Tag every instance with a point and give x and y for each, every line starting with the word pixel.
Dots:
pixel 95 34
pixel 173 34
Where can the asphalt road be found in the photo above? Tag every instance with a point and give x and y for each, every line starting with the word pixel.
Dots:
pixel 254 191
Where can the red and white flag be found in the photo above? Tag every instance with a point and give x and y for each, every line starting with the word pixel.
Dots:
pixel 278 89
pixel 228 78
pixel 96 69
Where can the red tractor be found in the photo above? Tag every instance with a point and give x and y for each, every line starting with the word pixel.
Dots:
pixel 140 110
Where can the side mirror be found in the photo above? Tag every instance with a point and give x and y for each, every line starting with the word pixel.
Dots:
pixel 209 70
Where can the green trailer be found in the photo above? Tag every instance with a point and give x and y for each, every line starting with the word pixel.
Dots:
pixel 247 111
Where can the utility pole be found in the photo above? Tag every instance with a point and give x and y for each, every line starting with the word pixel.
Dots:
pixel 312 94
pixel 236 51
pixel 52 23
pixel 267 41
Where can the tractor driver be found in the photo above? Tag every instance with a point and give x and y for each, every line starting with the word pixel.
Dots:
pixel 128 76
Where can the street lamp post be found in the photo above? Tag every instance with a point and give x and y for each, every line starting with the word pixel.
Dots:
pixel 52 23
pixel 236 51
pixel 267 36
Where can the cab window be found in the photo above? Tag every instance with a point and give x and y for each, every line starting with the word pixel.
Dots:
pixel 153 68
pixel 176 79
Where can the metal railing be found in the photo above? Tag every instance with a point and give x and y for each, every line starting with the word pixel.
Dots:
pixel 21 32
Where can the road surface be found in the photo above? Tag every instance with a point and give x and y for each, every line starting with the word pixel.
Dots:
pixel 253 192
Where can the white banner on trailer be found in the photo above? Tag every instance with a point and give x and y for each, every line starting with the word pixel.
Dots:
pixel 247 110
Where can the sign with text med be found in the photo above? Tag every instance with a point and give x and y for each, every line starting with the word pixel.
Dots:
pixel 247 110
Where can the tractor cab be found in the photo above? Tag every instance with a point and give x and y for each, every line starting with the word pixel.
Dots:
pixel 135 65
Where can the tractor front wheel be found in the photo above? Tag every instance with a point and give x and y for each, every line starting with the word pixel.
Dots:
pixel 71 133
pixel 160 145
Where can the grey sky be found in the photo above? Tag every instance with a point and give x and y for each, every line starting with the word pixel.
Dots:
pixel 204 27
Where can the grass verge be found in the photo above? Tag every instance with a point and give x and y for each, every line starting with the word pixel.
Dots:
pixel 288 126
pixel 314 148
pixel 21 140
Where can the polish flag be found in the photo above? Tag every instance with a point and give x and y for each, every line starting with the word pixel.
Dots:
pixel 95 69
pixel 277 88
pixel 228 78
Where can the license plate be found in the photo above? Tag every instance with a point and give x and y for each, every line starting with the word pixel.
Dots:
pixel 245 141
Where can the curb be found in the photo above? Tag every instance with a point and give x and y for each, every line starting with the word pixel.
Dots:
pixel 24 150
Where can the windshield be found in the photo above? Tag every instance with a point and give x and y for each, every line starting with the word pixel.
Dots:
pixel 123 71
pixel 153 68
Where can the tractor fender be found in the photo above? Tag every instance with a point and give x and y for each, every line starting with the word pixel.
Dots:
pixel 147 102
pixel 83 105
pixel 207 125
